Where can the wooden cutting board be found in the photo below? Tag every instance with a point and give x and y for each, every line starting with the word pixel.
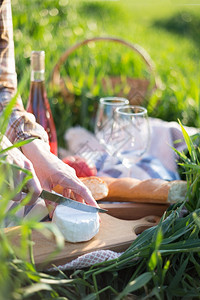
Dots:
pixel 133 211
pixel 114 234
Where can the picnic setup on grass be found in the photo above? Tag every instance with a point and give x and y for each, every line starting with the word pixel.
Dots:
pixel 139 236
pixel 130 172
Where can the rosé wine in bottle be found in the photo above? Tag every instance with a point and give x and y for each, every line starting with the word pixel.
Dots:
pixel 38 103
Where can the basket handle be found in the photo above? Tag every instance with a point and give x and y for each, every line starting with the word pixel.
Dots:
pixel 136 48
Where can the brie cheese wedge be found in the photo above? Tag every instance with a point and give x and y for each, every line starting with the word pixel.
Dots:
pixel 75 225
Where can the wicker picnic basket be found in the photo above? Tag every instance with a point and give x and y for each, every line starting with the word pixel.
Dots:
pixel 139 89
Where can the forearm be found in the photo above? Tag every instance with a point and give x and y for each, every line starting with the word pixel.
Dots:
pixel 41 157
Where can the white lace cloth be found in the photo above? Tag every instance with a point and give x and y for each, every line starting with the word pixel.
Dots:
pixel 89 259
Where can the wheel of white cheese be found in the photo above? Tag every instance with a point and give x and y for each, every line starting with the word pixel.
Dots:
pixel 76 225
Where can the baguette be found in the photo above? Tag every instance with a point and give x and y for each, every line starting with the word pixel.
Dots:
pixel 145 191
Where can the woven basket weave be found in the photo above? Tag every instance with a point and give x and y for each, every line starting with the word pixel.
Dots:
pixel 138 90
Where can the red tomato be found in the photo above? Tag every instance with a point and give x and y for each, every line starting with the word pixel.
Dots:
pixel 81 166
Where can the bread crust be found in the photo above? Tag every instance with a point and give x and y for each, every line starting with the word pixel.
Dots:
pixel 146 191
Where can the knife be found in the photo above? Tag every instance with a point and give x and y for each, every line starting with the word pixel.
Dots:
pixel 60 199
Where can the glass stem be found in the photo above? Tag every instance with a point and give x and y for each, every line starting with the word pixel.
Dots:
pixel 129 171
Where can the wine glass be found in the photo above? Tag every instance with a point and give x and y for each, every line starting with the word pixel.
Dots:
pixel 104 128
pixel 105 121
pixel 132 133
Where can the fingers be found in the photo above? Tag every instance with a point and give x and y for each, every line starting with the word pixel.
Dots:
pixel 33 185
pixel 35 190
pixel 68 180
pixel 80 192
pixel 51 206
pixel 78 198
pixel 83 194
pixel 18 197
pixel 67 193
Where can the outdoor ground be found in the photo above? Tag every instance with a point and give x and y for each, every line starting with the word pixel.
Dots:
pixel 163 262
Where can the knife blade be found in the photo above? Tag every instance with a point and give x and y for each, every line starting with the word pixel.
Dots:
pixel 60 199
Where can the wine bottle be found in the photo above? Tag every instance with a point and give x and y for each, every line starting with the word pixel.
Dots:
pixel 38 103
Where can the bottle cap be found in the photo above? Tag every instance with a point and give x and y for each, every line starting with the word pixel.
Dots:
pixel 37 60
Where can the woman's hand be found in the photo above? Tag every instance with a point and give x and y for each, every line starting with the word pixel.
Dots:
pixel 52 171
pixel 15 156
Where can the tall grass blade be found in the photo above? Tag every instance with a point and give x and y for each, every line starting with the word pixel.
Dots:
pixel 136 284
pixel 178 276
pixel 189 143
pixel 35 288
pixel 4 120
pixel 17 145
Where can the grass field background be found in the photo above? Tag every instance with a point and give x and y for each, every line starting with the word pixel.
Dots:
pixel 163 262
pixel 168 30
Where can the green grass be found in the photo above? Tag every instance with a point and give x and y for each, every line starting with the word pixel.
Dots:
pixel 163 262
pixel 167 30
